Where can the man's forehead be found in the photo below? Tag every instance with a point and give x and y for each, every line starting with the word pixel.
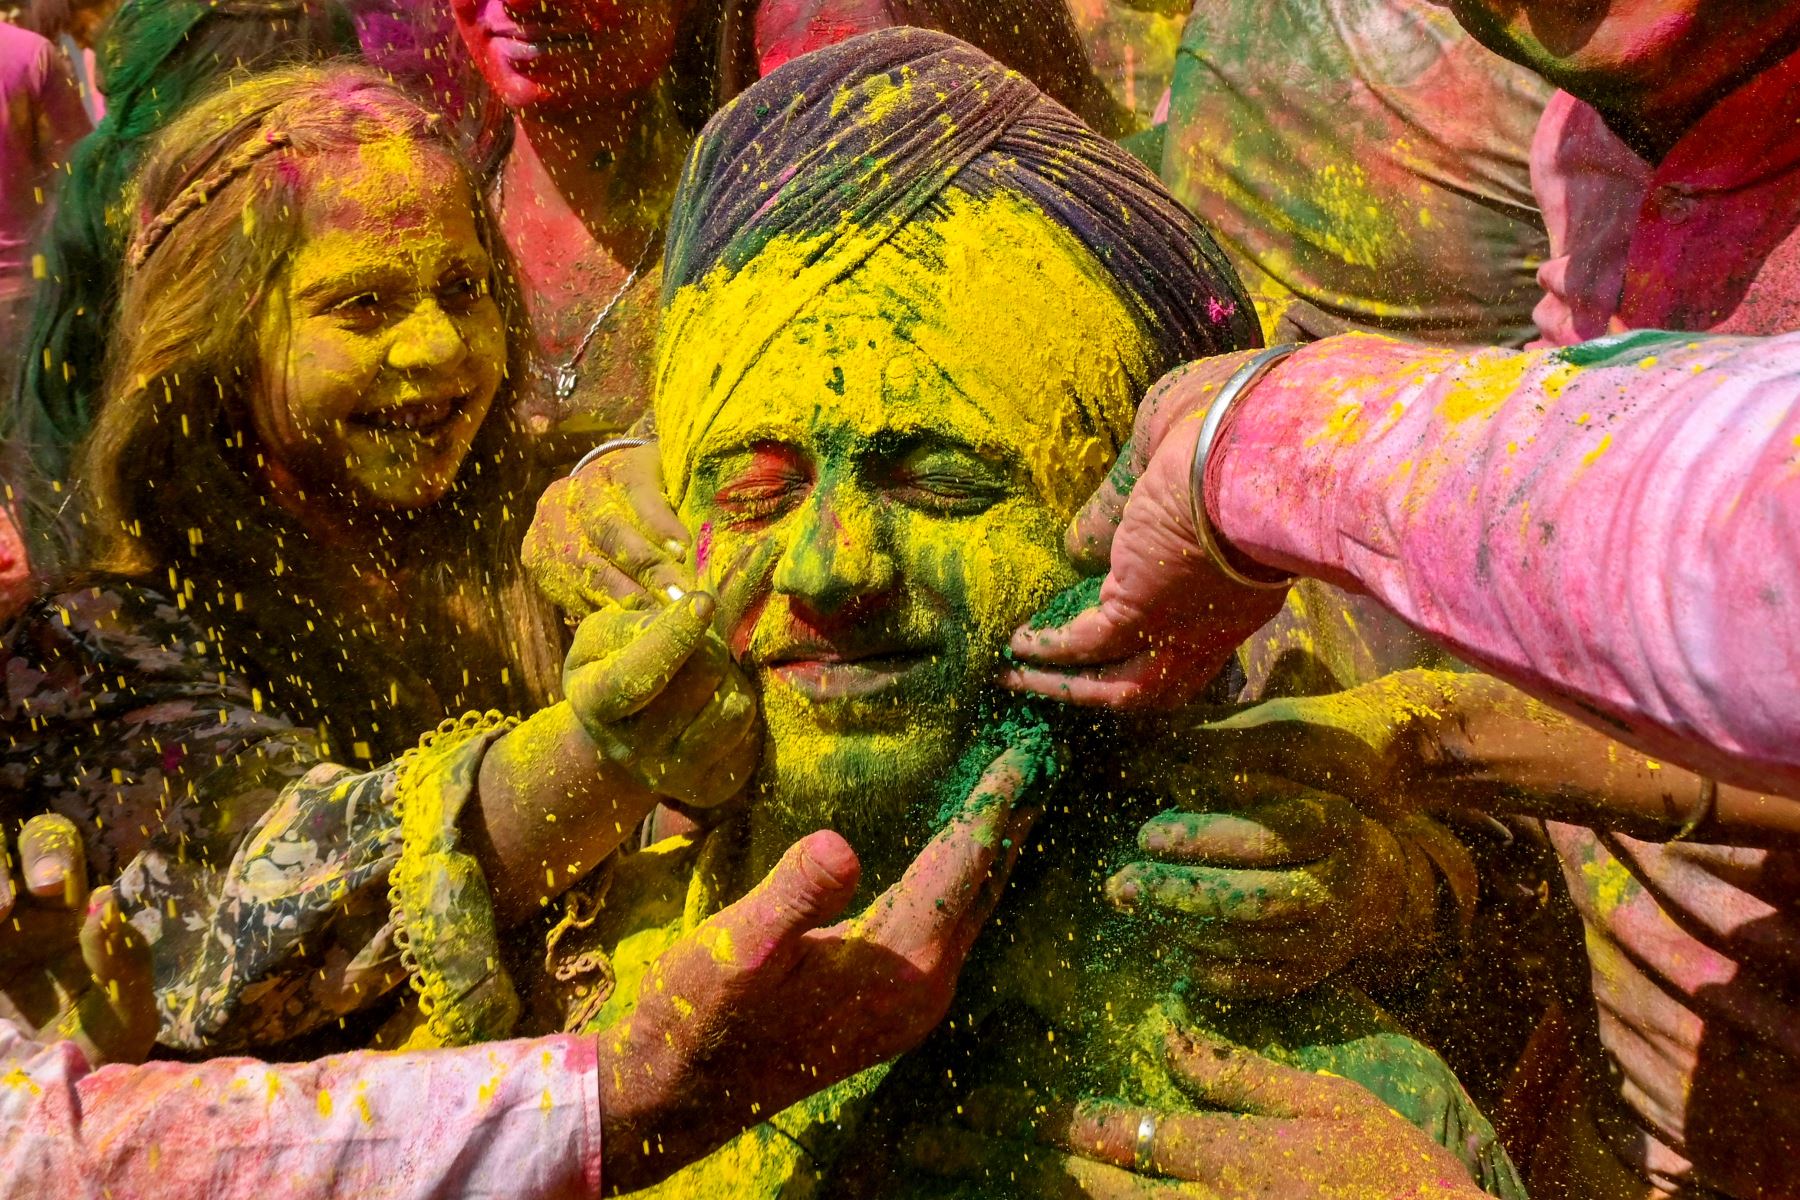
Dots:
pixel 852 376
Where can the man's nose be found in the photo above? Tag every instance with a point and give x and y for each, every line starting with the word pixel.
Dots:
pixel 837 555
pixel 427 340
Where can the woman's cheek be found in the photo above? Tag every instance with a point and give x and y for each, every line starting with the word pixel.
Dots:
pixel 487 345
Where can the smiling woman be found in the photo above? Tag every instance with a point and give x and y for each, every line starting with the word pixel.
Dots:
pixel 301 553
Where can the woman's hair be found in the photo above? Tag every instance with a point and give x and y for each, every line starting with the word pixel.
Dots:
pixel 168 479
pixel 156 57
pixel 54 18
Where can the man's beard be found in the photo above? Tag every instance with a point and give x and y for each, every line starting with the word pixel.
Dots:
pixel 874 780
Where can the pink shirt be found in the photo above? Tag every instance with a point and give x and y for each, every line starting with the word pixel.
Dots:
pixel 506 1119
pixel 1709 239
pixel 40 118
pixel 1615 527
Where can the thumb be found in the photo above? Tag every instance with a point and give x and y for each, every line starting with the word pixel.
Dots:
pixel 53 860
pixel 811 886
pixel 115 1020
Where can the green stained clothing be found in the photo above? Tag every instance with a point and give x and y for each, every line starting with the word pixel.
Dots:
pixel 1364 165
pixel 1061 995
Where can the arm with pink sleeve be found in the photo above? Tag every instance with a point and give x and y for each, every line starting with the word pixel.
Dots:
pixel 516 1119
pixel 1614 526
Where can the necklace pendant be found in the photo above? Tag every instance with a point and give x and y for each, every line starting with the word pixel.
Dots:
pixel 565 383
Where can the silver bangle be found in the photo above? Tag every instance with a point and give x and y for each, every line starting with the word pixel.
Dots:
pixel 605 448
pixel 1143 1159
pixel 1705 804
pixel 1239 383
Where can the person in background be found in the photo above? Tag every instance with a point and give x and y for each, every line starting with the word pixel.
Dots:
pixel 1365 163
pixel 41 119
pixel 1628 553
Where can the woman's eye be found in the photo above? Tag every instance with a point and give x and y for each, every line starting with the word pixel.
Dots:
pixel 362 310
pixel 461 295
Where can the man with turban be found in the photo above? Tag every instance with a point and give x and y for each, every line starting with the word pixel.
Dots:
pixel 910 305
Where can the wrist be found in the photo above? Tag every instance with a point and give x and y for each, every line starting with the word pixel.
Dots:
pixel 1204 475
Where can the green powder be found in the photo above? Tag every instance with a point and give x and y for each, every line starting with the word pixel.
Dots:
pixel 1069 603
pixel 1016 722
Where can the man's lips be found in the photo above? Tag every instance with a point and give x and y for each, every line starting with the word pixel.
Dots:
pixel 822 673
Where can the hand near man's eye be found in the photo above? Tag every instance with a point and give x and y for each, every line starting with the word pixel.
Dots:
pixel 1167 619
pixel 607 534
pixel 71 966
pixel 1273 1133
pixel 660 698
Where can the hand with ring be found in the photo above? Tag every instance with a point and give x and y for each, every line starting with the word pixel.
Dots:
pixel 1272 1132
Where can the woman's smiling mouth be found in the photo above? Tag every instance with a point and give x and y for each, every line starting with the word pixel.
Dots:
pixel 422 418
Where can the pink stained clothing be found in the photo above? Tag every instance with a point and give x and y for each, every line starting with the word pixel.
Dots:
pixel 43 117
pixel 1615 527
pixel 1694 952
pixel 505 1119
pixel 15 571
pixel 1706 240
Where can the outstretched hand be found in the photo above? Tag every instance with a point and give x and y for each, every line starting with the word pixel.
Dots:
pixel 1167 619
pixel 766 1003
pixel 71 966
pixel 1275 1133
pixel 1284 890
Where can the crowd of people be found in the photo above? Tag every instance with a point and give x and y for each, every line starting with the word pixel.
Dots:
pixel 777 598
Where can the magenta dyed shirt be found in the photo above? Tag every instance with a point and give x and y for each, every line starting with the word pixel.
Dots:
pixel 42 118
pixel 1614 526
pixel 1709 239
pixel 505 1119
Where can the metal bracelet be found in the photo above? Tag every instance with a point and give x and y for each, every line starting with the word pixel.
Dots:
pixel 605 448
pixel 1704 804
pixel 1143 1158
pixel 1239 383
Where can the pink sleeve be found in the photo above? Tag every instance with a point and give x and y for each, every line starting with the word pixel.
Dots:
pixel 64 120
pixel 1614 526
pixel 502 1119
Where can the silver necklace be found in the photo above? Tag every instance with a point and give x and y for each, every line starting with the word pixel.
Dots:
pixel 569 373
pixel 566 376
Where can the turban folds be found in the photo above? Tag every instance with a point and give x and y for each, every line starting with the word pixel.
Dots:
pixel 834 153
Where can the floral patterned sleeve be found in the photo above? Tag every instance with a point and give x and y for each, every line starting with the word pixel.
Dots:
pixel 262 872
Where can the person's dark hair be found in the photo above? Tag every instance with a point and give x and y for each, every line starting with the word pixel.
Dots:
pixel 1037 38
pixel 157 57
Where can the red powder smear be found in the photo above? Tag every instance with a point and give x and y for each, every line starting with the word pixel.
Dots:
pixel 703 547
pixel 1218 310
